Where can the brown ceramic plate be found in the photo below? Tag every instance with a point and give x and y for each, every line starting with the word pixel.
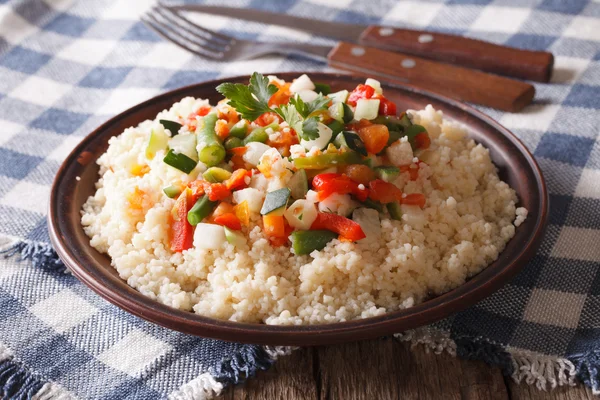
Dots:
pixel 517 167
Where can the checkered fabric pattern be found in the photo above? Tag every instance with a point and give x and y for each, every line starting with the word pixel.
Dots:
pixel 66 66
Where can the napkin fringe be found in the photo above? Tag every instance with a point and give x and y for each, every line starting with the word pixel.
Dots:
pixel 542 371
pixel 587 367
pixel 41 254
pixel 16 382
pixel 243 365
pixel 203 387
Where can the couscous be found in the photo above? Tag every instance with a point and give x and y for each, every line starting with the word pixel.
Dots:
pixel 287 204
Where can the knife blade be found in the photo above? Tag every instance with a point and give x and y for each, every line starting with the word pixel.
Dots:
pixel 453 49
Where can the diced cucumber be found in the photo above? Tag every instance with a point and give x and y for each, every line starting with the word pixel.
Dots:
pixel 184 144
pixel 395 211
pixel 322 88
pixel 275 201
pixel 172 191
pixel 336 127
pixel 387 173
pixel 239 130
pixel 336 111
pixel 172 126
pixel 180 161
pixel 366 109
pixel 158 141
pixel 348 113
pixel 339 97
pixel 325 134
pixel 216 174
pixel 235 238
pixel 351 141
pixel 298 184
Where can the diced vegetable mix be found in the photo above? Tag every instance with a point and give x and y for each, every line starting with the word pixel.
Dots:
pixel 293 155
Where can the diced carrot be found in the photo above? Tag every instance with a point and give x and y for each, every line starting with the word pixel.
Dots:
pixel 217 191
pixel 242 211
pixel 136 199
pixel 221 129
pixel 273 225
pixel 239 151
pixel 228 114
pixel 268 118
pixel 281 96
pixel 375 137
pixel 237 180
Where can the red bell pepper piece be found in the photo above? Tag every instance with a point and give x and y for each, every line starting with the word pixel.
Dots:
pixel 341 225
pixel 384 192
pixel 414 199
pixel 216 191
pixel 328 184
pixel 361 92
pixel 229 220
pixel 422 140
pixel 386 107
pixel 182 233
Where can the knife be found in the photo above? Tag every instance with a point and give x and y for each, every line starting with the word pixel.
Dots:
pixel 453 49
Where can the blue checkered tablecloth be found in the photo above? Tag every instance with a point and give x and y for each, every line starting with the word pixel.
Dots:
pixel 66 66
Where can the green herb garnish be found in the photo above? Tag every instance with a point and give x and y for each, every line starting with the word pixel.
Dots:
pixel 251 101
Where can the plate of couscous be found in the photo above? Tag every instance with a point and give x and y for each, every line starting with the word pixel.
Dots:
pixel 297 209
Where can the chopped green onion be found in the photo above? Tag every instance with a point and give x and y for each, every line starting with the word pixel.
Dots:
pixel 180 161
pixel 172 126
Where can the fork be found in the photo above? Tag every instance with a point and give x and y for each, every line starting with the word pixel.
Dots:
pixel 457 82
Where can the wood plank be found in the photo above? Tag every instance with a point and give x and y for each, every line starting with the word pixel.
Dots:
pixel 387 369
pixel 290 378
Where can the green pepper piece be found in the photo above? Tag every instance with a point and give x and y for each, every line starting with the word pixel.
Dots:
pixel 326 160
pixel 203 207
pixel 305 242
pixel 395 211
pixel 322 88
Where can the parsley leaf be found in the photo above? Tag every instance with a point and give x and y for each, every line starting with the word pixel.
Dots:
pixel 251 101
pixel 306 129
pixel 310 128
pixel 306 109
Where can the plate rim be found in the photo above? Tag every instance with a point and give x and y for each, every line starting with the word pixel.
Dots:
pixel 421 314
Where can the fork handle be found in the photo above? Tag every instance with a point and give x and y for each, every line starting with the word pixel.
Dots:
pixel 461 83
pixel 471 53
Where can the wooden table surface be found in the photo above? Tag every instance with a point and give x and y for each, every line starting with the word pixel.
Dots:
pixel 387 369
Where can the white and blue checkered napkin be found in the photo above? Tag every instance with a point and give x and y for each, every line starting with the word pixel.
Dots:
pixel 67 66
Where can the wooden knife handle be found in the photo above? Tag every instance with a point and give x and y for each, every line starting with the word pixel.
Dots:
pixel 461 83
pixel 471 53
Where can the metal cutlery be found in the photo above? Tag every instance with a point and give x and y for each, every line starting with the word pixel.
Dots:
pixel 457 82
pixel 457 50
